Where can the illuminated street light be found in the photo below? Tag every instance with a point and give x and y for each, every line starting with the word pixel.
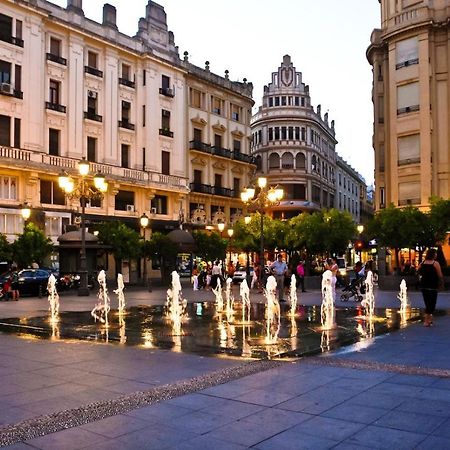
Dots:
pixel 81 189
pixel 26 212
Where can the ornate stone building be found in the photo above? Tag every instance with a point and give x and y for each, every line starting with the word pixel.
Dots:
pixel 410 59
pixel 293 145
pixel 73 88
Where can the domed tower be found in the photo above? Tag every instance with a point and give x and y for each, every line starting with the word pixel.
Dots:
pixel 410 59
pixel 293 145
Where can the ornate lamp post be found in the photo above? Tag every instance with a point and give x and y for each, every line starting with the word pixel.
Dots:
pixel 230 232
pixel 360 229
pixel 221 227
pixel 26 212
pixel 265 198
pixel 81 189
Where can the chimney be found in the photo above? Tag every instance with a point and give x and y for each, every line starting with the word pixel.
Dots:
pixel 75 6
pixel 109 15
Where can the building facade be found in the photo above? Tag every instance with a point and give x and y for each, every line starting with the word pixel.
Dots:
pixel 71 88
pixel 293 145
pixel 410 59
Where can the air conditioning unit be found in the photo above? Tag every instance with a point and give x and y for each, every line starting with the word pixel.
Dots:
pixel 7 88
pixel 92 94
pixel 130 208
pixel 153 210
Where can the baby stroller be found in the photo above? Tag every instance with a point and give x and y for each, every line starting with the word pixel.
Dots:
pixel 354 290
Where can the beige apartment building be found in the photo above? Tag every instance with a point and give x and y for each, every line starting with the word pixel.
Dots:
pixel 170 138
pixel 410 55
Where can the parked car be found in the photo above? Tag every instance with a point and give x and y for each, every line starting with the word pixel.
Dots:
pixel 33 281
pixel 240 274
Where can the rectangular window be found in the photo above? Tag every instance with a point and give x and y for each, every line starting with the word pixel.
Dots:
pixel 277 101
pixel 92 103
pixel 165 119
pixel 91 149
pixel 270 102
pixel 8 188
pixel 409 193
pixel 165 163
pixel 159 203
pixel 270 134
pixel 124 201
pixel 92 59
pixel 407 52
pixel 197 135
pixel 235 112
pixel 236 186
pixel 217 140
pixel 5 130
pixel 197 176
pixel 217 180
pixel 144 77
pixel 53 142
pixel 126 107
pixel 5 28
pixel 18 29
pixel 126 72
pixel 143 115
pixel 408 98
pixel 408 149
pixel 216 105
pixel 283 133
pixel 196 98
pixel 55 46
pixel 297 101
pixel 51 193
pixel 277 133
pixel 18 78
pixel 125 155
pixel 17 127
pixel 54 92
pixel 5 72
pixel 165 82
pixel 283 101
pixel 236 145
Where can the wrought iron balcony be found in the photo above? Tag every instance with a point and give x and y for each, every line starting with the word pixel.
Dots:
pixel 93 71
pixel 125 124
pixel 223 192
pixel 127 82
pixel 238 156
pixel 165 132
pixel 55 107
pixel 57 59
pixel 8 89
pixel 12 40
pixel 200 146
pixel 92 116
pixel 220 151
pixel 201 188
pixel 167 92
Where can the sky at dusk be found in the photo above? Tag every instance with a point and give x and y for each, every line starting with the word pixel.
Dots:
pixel 326 39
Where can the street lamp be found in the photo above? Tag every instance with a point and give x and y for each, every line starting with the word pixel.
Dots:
pixel 144 222
pixel 221 227
pixel 26 212
pixel 81 189
pixel 265 198
pixel 360 229
pixel 230 232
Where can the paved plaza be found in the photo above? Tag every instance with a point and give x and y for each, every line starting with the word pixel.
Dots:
pixel 389 392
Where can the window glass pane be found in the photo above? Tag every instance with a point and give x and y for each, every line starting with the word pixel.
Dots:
pixel 408 95
pixel 409 193
pixel 5 130
pixel 407 50
pixel 409 148
pixel 46 191
pixel 55 46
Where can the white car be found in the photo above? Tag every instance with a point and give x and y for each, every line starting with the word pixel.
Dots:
pixel 240 274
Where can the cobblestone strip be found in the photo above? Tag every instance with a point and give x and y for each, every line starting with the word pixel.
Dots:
pixel 396 368
pixel 43 425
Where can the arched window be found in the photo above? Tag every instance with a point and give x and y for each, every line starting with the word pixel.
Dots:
pixel 287 161
pixel 274 161
pixel 258 162
pixel 300 161
pixel 314 163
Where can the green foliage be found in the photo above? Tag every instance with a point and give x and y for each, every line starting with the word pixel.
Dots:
pixel 124 242
pixel 163 250
pixel 31 246
pixel 5 249
pixel 210 246
pixel 440 218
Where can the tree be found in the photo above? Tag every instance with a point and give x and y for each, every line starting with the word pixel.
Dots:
pixel 124 242
pixel 164 251
pixel 440 218
pixel 210 246
pixel 5 249
pixel 31 246
pixel 339 230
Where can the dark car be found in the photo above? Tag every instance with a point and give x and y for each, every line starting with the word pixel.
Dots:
pixel 33 281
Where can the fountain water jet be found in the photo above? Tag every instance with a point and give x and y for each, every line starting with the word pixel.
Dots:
pixel 293 295
pixel 219 296
pixel 101 309
pixel 369 301
pixel 120 294
pixel 175 304
pixel 229 300
pixel 53 299
pixel 244 291
pixel 403 297
pixel 327 311
pixel 272 310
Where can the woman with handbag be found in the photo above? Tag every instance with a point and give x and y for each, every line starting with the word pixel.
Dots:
pixel 431 279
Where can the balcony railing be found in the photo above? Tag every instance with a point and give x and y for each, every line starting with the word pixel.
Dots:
pixel 12 40
pixel 408 109
pixel 127 82
pixel 200 146
pixel 92 116
pixel 167 92
pixel 220 151
pixel 126 124
pixel 165 132
pixel 93 71
pixel 201 188
pixel 55 107
pixel 8 89
pixel 54 163
pixel 224 192
pixel 57 59
pixel 409 62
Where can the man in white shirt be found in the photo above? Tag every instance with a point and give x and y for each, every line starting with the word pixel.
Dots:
pixel 279 269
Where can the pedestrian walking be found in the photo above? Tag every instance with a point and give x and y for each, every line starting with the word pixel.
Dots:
pixel 279 269
pixel 300 270
pixel 431 279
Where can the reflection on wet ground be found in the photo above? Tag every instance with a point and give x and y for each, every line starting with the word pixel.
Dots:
pixel 205 331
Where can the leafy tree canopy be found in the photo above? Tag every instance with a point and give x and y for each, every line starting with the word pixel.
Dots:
pixel 210 246
pixel 5 249
pixel 31 246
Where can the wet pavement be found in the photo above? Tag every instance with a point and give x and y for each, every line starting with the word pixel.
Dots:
pixel 392 391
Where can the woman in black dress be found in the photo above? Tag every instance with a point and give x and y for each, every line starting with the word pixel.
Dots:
pixel 431 279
